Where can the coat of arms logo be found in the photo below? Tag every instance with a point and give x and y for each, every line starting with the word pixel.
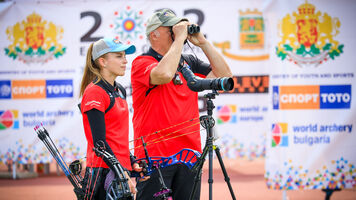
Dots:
pixel 308 37
pixel 34 40
pixel 251 37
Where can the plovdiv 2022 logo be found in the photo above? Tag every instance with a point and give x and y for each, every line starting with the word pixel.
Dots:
pixel 308 37
pixel 34 40
pixel 128 25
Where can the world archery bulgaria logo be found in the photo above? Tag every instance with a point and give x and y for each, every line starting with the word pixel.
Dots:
pixel 9 119
pixel 34 40
pixel 128 25
pixel 279 135
pixel 226 114
pixel 308 37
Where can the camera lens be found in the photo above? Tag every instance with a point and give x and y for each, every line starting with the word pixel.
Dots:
pixel 197 84
pixel 225 83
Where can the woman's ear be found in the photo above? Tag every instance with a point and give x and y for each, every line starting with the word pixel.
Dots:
pixel 102 61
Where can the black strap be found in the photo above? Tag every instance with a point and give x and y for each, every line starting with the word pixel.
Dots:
pixel 193 62
pixel 112 103
pixel 112 95
pixel 156 56
pixel 149 90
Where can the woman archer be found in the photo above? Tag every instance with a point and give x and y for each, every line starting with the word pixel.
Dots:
pixel 105 112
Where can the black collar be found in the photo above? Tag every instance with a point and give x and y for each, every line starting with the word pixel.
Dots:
pixel 154 54
pixel 107 86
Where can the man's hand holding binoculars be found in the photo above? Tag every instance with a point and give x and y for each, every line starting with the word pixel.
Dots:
pixel 186 30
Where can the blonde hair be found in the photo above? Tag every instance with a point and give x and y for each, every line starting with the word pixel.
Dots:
pixel 91 71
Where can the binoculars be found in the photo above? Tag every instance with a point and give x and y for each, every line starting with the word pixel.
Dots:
pixel 193 29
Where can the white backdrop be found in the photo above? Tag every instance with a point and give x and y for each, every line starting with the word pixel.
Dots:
pixel 292 65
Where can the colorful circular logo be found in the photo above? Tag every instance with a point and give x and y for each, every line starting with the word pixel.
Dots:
pixel 226 114
pixel 9 119
pixel 129 25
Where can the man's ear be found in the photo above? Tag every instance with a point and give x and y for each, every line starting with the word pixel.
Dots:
pixel 155 34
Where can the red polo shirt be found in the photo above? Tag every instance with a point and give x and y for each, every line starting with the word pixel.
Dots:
pixel 116 124
pixel 164 106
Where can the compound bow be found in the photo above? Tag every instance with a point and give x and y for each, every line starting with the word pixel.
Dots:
pixel 118 187
pixel 185 156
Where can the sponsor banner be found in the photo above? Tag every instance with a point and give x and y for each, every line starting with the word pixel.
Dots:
pixel 36 89
pixel 311 133
pixel 312 97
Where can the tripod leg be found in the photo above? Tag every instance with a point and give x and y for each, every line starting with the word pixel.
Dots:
pixel 198 167
pixel 227 179
pixel 210 180
pixel 195 185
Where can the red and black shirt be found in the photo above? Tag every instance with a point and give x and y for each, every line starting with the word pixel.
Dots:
pixel 97 96
pixel 157 107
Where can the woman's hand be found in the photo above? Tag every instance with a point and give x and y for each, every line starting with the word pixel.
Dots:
pixel 131 184
pixel 136 167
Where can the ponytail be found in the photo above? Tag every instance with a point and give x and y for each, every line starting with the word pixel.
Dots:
pixel 91 71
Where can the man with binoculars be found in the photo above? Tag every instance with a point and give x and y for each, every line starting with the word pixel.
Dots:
pixel 163 102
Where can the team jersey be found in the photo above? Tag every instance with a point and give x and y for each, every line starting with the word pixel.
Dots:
pixel 163 114
pixel 96 96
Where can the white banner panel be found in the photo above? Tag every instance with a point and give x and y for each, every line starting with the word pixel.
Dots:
pixel 312 136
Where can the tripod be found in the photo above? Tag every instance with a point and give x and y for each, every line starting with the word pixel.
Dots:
pixel 208 123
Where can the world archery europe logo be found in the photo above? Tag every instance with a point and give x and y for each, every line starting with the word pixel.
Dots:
pixel 34 40
pixel 9 119
pixel 308 37
pixel 128 25
pixel 226 114
pixel 279 135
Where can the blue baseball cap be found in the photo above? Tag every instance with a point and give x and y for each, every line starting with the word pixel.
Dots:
pixel 107 45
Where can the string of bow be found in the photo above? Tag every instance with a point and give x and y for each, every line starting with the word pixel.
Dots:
pixel 185 156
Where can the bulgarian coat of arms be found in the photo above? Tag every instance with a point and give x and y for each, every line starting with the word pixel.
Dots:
pixel 34 40
pixel 308 37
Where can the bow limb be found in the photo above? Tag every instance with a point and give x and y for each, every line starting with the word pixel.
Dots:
pixel 74 179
